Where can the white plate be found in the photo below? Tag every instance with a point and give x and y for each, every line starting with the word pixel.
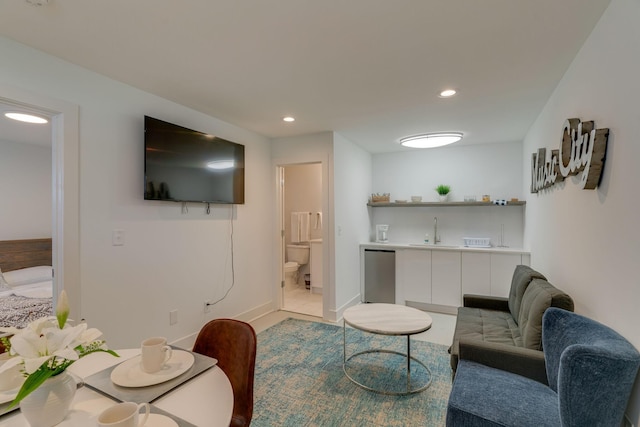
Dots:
pixel 158 420
pixel 14 378
pixel 8 395
pixel 130 374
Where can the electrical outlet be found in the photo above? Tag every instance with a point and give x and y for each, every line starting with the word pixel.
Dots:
pixel 207 306
pixel 173 317
pixel 117 238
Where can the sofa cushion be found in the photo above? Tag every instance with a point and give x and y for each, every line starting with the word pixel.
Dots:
pixel 484 396
pixel 484 325
pixel 522 276
pixel 539 296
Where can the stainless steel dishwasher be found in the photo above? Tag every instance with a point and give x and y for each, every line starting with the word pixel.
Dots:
pixel 380 275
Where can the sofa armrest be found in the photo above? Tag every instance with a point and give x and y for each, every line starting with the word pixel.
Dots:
pixel 486 302
pixel 518 360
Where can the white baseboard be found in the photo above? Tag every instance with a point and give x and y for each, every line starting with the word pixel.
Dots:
pixel 446 309
pixel 336 315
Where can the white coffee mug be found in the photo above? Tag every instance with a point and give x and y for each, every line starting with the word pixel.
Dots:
pixel 125 414
pixel 155 353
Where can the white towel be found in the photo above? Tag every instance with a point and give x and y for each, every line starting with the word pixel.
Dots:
pixel 295 227
pixel 318 225
pixel 305 234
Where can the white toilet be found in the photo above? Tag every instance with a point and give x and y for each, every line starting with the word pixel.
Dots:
pixel 297 255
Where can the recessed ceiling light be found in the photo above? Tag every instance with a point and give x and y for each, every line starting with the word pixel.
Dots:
pixel 28 118
pixel 447 93
pixel 289 119
pixel 431 140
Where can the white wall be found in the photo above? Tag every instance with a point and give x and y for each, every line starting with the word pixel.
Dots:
pixel 352 185
pixel 25 186
pixel 170 260
pixel 587 242
pixel 493 169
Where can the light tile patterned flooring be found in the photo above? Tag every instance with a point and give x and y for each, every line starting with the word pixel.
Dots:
pixel 300 300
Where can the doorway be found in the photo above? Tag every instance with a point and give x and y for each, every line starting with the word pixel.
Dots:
pixel 65 186
pixel 302 232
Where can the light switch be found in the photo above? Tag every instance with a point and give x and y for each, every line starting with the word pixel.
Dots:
pixel 173 317
pixel 117 237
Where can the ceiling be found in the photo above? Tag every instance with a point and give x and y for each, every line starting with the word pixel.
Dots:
pixel 370 70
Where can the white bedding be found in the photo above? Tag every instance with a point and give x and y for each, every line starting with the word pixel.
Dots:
pixel 34 290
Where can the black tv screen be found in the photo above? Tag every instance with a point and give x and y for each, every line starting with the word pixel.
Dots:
pixel 183 165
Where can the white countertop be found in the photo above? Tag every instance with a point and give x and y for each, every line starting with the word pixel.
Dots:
pixel 439 247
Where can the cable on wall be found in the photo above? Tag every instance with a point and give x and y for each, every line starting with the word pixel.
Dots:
pixel 233 271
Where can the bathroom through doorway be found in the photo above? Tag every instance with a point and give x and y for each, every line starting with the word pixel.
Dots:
pixel 302 232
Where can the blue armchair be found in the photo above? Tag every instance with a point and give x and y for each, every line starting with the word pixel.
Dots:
pixel 590 371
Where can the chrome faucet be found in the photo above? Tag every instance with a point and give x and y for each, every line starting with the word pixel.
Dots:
pixel 436 238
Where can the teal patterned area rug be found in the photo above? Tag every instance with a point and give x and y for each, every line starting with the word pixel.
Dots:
pixel 299 379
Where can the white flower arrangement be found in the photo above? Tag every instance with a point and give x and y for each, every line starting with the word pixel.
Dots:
pixel 48 346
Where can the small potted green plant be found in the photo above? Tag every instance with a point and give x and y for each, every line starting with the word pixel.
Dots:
pixel 443 192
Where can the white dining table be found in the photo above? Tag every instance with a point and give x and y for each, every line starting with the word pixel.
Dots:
pixel 206 400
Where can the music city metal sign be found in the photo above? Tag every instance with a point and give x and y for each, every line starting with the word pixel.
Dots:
pixel 582 150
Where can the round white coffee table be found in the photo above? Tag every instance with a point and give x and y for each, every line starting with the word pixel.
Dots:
pixel 387 319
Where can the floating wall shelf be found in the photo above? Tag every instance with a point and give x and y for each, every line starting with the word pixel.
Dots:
pixel 437 204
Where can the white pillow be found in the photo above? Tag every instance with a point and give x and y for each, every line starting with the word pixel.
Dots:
pixel 27 276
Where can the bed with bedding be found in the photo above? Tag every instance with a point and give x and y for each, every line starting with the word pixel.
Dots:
pixel 26 282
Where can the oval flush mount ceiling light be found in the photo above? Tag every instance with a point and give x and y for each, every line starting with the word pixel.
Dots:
pixel 28 118
pixel 447 93
pixel 431 140
pixel 288 119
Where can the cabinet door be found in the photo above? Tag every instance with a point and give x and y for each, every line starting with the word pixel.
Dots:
pixel 502 267
pixel 476 273
pixel 413 275
pixel 445 278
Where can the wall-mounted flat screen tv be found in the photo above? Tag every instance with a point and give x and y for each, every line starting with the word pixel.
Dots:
pixel 183 165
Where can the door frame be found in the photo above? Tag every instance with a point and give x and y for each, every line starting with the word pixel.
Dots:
pixel 279 237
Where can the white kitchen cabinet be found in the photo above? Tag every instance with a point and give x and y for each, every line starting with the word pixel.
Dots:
pixel 446 278
pixel 413 276
pixel 436 279
pixel 315 267
pixel 476 273
pixel 502 267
